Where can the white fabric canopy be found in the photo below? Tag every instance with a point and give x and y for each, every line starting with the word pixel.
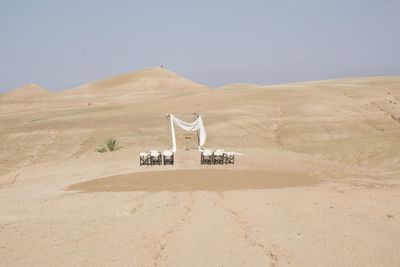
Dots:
pixel 197 125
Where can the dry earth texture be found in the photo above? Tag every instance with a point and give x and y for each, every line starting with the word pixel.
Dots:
pixel 317 184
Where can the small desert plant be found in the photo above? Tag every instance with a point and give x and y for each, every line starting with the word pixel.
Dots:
pixel 110 145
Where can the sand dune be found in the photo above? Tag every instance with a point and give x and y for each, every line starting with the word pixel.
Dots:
pixel 151 79
pixel 25 93
pixel 336 140
pixel 145 85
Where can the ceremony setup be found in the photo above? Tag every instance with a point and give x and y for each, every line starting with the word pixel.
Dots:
pixel 200 133
pixel 166 157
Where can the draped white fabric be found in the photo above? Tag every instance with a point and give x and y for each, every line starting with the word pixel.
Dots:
pixel 197 125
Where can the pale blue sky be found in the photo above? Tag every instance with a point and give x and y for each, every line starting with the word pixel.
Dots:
pixel 61 44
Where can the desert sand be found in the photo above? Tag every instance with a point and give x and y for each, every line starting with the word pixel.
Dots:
pixel 318 183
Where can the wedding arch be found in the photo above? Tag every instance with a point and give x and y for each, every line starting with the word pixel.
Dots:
pixel 196 125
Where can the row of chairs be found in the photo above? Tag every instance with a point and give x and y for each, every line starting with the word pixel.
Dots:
pixel 218 156
pixel 166 157
pixel 154 157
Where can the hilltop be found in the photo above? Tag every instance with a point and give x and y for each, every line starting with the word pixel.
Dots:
pixel 26 92
pixel 153 82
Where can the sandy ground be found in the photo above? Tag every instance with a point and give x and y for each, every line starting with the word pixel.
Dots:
pixel 318 184
pixel 195 180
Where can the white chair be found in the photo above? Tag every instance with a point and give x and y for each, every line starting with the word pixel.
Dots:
pixel 229 157
pixel 206 157
pixel 155 157
pixel 144 158
pixel 168 157
pixel 219 156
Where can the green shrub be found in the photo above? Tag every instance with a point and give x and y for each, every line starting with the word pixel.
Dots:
pixel 110 145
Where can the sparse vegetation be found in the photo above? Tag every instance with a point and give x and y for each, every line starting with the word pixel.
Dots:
pixel 110 145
